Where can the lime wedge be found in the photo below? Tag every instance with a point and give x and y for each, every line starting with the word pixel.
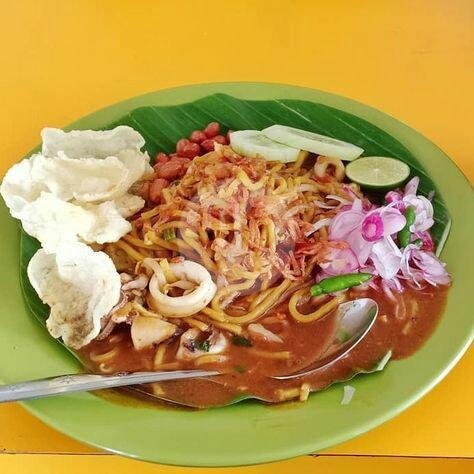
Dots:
pixel 313 142
pixel 253 143
pixel 377 172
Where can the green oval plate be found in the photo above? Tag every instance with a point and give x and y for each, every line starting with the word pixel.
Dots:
pixel 248 432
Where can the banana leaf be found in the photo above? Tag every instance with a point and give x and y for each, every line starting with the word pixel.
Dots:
pixel 163 126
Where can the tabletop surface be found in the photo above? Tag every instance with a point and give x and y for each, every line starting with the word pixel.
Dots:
pixel 411 59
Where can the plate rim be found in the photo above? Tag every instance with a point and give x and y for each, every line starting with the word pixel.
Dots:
pixel 291 451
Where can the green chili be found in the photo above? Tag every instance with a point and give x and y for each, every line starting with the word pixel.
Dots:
pixel 169 234
pixel 404 235
pixel 338 283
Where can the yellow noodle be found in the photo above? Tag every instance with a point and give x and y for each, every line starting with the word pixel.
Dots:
pixel 210 359
pixel 124 310
pixel 174 244
pixel 146 224
pixel 323 233
pixel 304 392
pixel 282 187
pixel 265 283
pixel 171 225
pixel 284 394
pixel 140 243
pixel 240 273
pixel 203 235
pixel 263 307
pixel 151 213
pixel 230 190
pixel 302 155
pixel 270 227
pixel 105 369
pixel 170 277
pixel 194 244
pixel 271 183
pixel 226 290
pixel 159 355
pixel 233 328
pixel 242 175
pixel 195 323
pixel 105 356
pixel 143 311
pixel 216 224
pixel 263 236
pixel 320 312
pixel 214 314
pixel 167 195
pixel 130 251
pixel 278 355
pixel 157 389
pixel 260 297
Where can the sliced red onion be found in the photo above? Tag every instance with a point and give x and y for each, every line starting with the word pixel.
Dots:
pixel 357 205
pixel 426 239
pixel 258 329
pixel 395 199
pixel 434 271
pixel 349 191
pixel 344 223
pixel 372 227
pixel 323 206
pixel 341 261
pixel 317 226
pixel 393 220
pixel 412 186
pixel 305 187
pixel 393 196
pixel 423 212
pixel 386 257
pixel 337 198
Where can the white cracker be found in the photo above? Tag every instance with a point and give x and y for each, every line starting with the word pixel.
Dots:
pixel 90 143
pixel 52 221
pixel 81 287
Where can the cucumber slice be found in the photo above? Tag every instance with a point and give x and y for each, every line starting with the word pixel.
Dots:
pixel 253 144
pixel 378 172
pixel 313 142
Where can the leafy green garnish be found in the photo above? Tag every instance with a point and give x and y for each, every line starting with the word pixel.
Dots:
pixel 202 345
pixel 240 369
pixel 241 341
pixel 169 234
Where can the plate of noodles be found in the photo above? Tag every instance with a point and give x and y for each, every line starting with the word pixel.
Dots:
pixel 220 227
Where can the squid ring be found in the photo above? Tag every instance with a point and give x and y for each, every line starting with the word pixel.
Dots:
pixel 324 162
pixel 186 305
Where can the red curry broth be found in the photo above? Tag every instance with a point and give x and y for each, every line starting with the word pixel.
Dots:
pixel 402 327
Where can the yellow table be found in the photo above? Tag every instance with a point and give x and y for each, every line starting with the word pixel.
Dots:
pixel 411 59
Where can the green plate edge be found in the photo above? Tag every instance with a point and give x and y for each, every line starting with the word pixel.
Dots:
pixel 247 433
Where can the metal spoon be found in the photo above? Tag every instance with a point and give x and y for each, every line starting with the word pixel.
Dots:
pixel 353 321
pixel 84 382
